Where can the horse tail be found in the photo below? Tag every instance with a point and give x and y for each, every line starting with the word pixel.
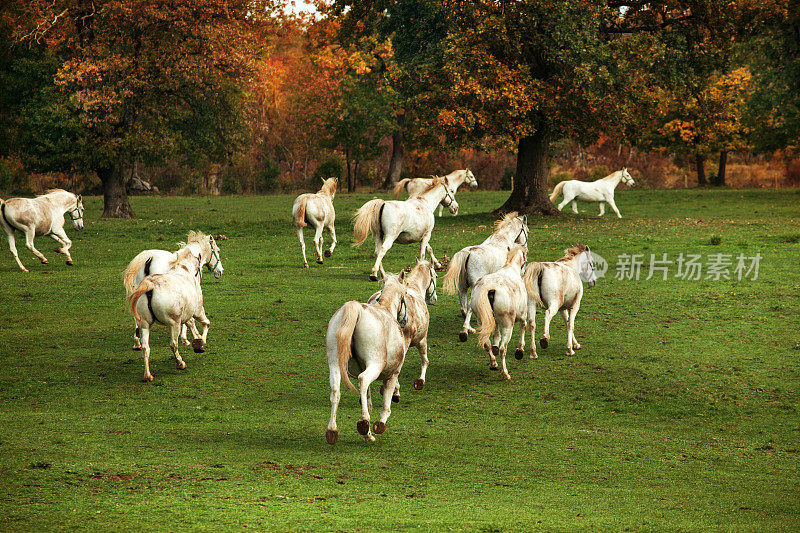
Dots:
pixel 300 212
pixel 400 186
pixel 367 218
pixel 533 282
pixel 485 315
pixel 129 275
pixel 133 298
pixel 456 273
pixel 557 190
pixel 344 339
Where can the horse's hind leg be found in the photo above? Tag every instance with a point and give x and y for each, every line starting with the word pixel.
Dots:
pixel 332 434
pixel 332 231
pixel 302 246
pixel 388 391
pixel 365 379
pixel 602 208
pixel 190 324
pixel 61 237
pixel 466 329
pixel 12 244
pixel 199 341
pixel 532 325
pixel 565 202
pixel 29 234
pixel 137 333
pixel 441 209
pixel 174 332
pixel 523 329
pixel 318 242
pixel 145 330
pixel 419 383
pixel 506 330
pixel 549 313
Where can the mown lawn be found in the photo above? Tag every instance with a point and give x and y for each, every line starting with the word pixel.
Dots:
pixel 680 411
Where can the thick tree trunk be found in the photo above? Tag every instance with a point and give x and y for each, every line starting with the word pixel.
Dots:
pixel 700 162
pixel 396 161
pixel 351 181
pixel 719 179
pixel 532 177
pixel 115 196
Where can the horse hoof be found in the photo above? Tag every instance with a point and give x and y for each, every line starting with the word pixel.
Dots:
pixel 373 277
pixel 363 427
pixel 197 346
pixel 543 342
pixel 148 378
pixel 419 384
pixel 69 263
pixel 319 261
pixel 137 348
pixel 495 351
pixel 45 262
pixel 507 377
pixel 181 365
pixel 379 427
pixel 519 354
pixel 462 336
pixel 396 398
pixel 492 366
pixel 328 253
pixel 305 265
pixel 25 270
pixel 534 356
pixel 331 436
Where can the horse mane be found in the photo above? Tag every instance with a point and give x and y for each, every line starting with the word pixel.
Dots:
pixel 512 253
pixel 506 220
pixel 610 175
pixel 53 191
pixel 416 270
pixel 182 255
pixel 196 236
pixel 435 182
pixel 390 291
pixel 329 187
pixel 576 249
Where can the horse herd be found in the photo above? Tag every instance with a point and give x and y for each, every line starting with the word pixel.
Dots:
pixel 366 340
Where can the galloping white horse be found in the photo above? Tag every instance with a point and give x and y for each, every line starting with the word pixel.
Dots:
pixel 420 285
pixel 368 340
pixel 473 262
pixel 417 185
pixel 43 215
pixel 172 298
pixel 317 210
pixel 601 191
pixel 556 286
pixel 204 247
pixel 404 221
pixel 499 299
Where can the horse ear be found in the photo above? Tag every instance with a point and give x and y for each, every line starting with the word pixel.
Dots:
pixel 525 219
pixel 80 198
pixel 402 275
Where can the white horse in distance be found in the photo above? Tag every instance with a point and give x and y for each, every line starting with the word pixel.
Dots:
pixel 416 185
pixel 316 210
pixel 556 286
pixel 368 341
pixel 471 263
pixel 43 215
pixel 601 190
pixel 172 299
pixel 204 247
pixel 406 221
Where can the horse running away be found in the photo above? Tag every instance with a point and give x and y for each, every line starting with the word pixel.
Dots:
pixel 473 262
pixel 420 285
pixel 406 221
pixel 43 215
pixel 556 286
pixel 368 341
pixel 601 190
pixel 416 185
pixel 316 210
pixel 172 299
pixel 202 246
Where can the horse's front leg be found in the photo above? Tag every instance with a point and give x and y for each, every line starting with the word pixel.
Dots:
pixel 602 208
pixel 441 209
pixel 388 391
pixel 12 244
pixel 419 383
pixel 427 247
pixel 318 242
pixel 572 313
pixel 30 233
pixel 614 207
pixel 365 379
pixel 332 231
pixel 506 329
pixel 565 316
pixel 198 344
pixel 574 207
pixel 174 332
pixel 549 313
pixel 532 325
pixel 66 244
pixel 302 246
pixel 191 323
pixel 523 329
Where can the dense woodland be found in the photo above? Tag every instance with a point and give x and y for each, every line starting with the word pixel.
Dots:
pixel 249 96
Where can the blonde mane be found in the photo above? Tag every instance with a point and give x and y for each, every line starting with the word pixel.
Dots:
pixel 505 221
pixel 52 191
pixel 390 291
pixel 182 255
pixel 512 253
pixel 435 182
pixel 576 249
pixel 329 187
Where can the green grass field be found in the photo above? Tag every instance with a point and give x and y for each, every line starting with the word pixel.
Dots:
pixel 679 413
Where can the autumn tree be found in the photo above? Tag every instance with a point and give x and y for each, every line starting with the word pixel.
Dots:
pixel 133 80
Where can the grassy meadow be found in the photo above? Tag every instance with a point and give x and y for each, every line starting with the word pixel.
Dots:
pixel 679 413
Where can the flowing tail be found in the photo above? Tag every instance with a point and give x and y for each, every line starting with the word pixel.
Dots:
pixel 485 316
pixel 532 277
pixel 456 276
pixel 344 339
pixel 400 186
pixel 367 219
pixel 557 190
pixel 299 212
pixel 129 275
pixel 145 286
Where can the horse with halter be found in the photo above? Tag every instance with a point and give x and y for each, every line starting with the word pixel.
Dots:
pixel 172 299
pixel 368 341
pixel 601 190
pixel 43 215
pixel 406 221
pixel 556 286
pixel 499 299
pixel 316 210
pixel 471 263
pixel 420 285
pixel 416 185
pixel 202 246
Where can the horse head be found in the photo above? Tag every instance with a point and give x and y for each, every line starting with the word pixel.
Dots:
pixel 393 296
pixel 449 200
pixel 522 237
pixel 626 177
pixel 430 290
pixel 585 267
pixel 76 213
pixel 469 179
pixel 214 263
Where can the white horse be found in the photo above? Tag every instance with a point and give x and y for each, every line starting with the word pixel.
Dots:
pixel 601 191
pixel 43 215
pixel 420 285
pixel 204 247
pixel 368 340
pixel 172 298
pixel 317 210
pixel 499 299
pixel 404 221
pixel 473 262
pixel 556 286
pixel 416 185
